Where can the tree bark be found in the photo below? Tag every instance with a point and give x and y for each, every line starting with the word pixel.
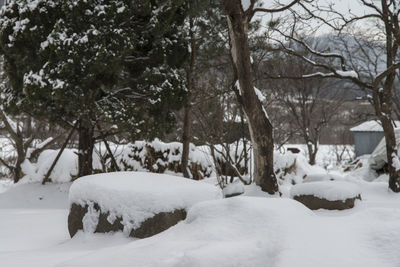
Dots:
pixel 312 152
pixel 186 141
pixel 259 125
pixel 382 104
pixel 187 122
pixel 382 98
pixel 85 150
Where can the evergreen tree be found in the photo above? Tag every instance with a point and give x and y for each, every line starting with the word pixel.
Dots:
pixel 95 60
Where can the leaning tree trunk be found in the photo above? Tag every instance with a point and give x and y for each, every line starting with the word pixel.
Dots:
pixel 85 147
pixel 259 125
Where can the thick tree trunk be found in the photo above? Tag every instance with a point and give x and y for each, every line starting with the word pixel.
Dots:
pixel 85 147
pixel 18 174
pixel 382 104
pixel 186 141
pixel 391 153
pixel 21 155
pixel 312 153
pixel 382 98
pixel 259 125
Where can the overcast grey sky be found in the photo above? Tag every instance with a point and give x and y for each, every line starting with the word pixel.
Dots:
pixel 342 6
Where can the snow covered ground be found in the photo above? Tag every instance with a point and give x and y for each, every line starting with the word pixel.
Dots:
pixel 251 230
pixel 328 156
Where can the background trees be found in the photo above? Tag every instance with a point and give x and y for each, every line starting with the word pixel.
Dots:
pixel 238 18
pixel 94 61
pixel 378 77
pixel 310 105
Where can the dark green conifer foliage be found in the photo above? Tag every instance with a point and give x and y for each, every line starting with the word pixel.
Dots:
pixel 95 61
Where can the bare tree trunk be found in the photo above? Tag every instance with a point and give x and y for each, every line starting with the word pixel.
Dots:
pixel 383 98
pixel 21 155
pixel 382 104
pixel 312 152
pixel 259 125
pixel 186 141
pixel 85 150
pixel 187 122
pixel 391 153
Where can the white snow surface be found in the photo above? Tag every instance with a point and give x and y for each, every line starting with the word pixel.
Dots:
pixel 241 231
pixel 137 196
pixel 370 126
pixel 233 188
pixel 329 190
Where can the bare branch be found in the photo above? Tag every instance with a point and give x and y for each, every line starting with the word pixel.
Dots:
pixel 275 10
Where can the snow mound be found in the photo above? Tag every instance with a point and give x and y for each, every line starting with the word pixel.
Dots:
pixel 240 231
pixel 137 196
pixel 319 177
pixel 291 168
pixel 65 169
pixel 329 190
pixel 233 189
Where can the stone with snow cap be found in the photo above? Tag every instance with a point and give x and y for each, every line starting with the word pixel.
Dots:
pixel 138 203
pixel 331 195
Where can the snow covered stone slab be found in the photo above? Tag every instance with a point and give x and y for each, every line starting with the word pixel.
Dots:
pixel 331 195
pixel 138 203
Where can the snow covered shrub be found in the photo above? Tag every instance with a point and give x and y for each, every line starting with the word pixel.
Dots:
pixel 160 157
pixel 64 171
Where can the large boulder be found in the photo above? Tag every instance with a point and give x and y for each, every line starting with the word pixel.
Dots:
pixel 330 195
pixel 139 204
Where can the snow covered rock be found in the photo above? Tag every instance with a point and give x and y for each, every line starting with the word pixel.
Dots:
pixel 331 195
pixel 139 204
pixel 233 189
pixel 238 231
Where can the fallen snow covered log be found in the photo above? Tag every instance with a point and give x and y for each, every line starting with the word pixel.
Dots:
pixel 139 204
pixel 330 195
